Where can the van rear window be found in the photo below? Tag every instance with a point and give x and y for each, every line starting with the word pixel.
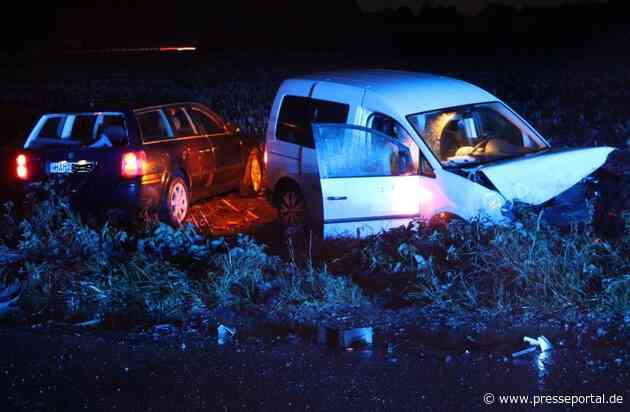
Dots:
pixel 297 113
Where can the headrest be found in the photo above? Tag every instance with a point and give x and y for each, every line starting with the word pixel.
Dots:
pixel 115 132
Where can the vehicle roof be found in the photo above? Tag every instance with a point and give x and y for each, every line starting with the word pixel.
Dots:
pixel 122 107
pixel 408 92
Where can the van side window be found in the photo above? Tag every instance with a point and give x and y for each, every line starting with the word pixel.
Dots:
pixel 152 126
pixel 204 123
pixel 297 113
pixel 354 151
pixel 392 128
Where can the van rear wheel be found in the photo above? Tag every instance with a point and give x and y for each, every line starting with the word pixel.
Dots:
pixel 291 207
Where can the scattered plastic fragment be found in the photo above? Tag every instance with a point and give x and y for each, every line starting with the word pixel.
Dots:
pixel 357 336
pixel 88 323
pixel 524 352
pixel 164 328
pixel 224 333
pixel 541 343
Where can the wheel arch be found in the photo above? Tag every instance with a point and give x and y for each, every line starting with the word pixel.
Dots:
pixel 284 183
pixel 179 171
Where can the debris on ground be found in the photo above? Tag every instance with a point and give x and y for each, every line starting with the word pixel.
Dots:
pixel 224 334
pixel 88 323
pixel 231 214
pixel 541 343
pixel 345 338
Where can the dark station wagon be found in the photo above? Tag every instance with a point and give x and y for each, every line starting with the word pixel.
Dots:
pixel 159 157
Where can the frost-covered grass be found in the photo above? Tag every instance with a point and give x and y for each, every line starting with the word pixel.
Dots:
pixel 74 271
pixel 529 267
pixel 71 270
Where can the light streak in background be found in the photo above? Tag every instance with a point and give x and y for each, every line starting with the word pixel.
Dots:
pixel 186 48
pixel 136 50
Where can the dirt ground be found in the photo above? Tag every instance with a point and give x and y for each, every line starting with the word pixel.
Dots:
pixel 232 214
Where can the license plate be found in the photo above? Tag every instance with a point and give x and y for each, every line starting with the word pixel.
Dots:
pixel 60 167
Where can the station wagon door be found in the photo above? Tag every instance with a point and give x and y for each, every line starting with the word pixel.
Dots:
pixel 367 181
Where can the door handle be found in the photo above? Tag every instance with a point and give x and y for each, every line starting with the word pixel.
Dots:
pixel 337 198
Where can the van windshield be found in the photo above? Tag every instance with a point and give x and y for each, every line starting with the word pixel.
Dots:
pixel 93 130
pixel 476 134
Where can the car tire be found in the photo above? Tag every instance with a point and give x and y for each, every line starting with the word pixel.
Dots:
pixel 252 179
pixel 176 201
pixel 291 207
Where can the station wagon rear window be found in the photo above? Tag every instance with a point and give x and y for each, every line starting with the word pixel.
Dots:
pixel 298 113
pixel 79 129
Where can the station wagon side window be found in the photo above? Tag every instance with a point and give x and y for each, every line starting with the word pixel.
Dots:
pixel 179 121
pixel 390 127
pixel 152 126
pixel 206 124
pixel 298 113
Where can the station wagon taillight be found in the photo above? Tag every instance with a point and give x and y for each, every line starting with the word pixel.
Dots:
pixel 133 164
pixel 22 167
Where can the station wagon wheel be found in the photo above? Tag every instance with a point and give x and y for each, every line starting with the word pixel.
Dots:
pixel 291 207
pixel 252 180
pixel 177 201
pixel 255 175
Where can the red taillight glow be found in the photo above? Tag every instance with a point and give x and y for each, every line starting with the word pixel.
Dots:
pixel 265 157
pixel 133 164
pixel 22 169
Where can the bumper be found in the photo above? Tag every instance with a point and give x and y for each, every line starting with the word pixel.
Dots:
pixel 129 196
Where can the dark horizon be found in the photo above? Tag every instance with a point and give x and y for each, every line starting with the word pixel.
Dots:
pixel 286 23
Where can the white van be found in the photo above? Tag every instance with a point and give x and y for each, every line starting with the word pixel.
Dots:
pixel 363 151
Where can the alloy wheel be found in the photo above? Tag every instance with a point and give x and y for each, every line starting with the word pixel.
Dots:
pixel 178 202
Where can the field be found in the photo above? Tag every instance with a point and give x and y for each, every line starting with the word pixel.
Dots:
pixel 464 277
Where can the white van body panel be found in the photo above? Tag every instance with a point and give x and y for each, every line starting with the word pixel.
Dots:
pixel 363 205
pixel 283 159
pixel 537 179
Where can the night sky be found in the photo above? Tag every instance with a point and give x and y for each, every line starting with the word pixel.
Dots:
pixel 463 6
pixel 112 23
